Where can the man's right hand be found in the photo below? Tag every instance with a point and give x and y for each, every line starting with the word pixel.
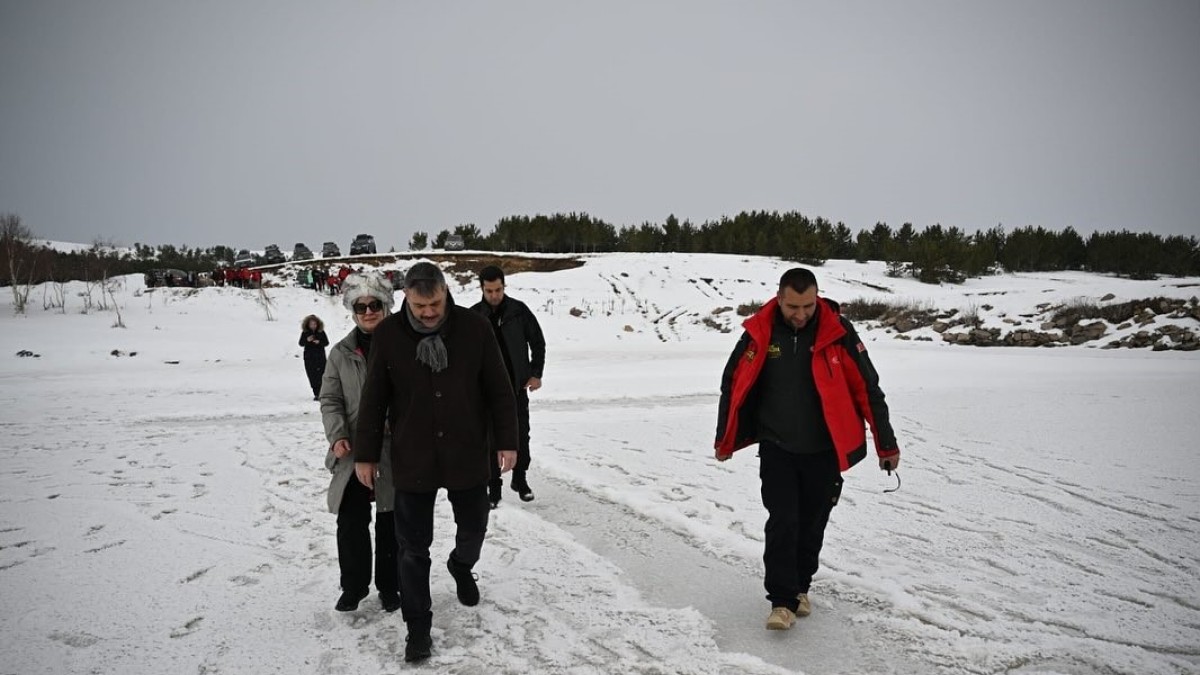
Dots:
pixel 365 471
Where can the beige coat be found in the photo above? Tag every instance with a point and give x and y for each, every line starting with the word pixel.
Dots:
pixel 341 388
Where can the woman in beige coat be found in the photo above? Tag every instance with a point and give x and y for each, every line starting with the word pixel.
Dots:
pixel 369 297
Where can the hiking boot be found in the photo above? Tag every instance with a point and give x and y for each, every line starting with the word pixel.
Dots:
pixel 348 602
pixel 390 600
pixel 521 486
pixel 781 618
pixel 417 646
pixel 495 490
pixel 464 579
pixel 804 608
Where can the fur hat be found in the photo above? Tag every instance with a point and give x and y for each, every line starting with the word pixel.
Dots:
pixel 361 284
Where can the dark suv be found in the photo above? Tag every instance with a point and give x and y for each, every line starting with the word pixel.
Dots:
pixel 363 243
pixel 272 255
pixel 330 250
pixel 244 259
pixel 301 252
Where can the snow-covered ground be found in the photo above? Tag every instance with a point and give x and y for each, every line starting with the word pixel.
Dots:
pixel 164 511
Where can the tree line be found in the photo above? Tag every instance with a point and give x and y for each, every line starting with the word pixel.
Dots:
pixel 934 254
pixel 24 262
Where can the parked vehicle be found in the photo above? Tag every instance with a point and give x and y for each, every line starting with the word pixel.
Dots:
pixel 244 259
pixel 363 243
pixel 272 255
pixel 455 242
pixel 301 252
pixel 169 278
pixel 330 250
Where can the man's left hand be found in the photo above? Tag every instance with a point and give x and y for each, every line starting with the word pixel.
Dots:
pixel 534 384
pixel 890 463
pixel 508 460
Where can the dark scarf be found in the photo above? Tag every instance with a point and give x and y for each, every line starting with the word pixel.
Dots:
pixel 496 313
pixel 364 342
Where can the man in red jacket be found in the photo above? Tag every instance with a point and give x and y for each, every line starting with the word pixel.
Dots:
pixel 799 383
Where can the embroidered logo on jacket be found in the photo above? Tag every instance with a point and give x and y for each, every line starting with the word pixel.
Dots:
pixel 773 351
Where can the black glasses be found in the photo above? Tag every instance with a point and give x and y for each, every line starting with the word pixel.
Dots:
pixel 374 306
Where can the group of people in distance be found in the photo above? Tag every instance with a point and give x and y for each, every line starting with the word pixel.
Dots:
pixel 238 277
pixel 435 396
pixel 322 280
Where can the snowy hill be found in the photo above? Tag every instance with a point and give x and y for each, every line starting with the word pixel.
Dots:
pixel 164 491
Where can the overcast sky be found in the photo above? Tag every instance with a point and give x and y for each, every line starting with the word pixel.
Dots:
pixel 277 121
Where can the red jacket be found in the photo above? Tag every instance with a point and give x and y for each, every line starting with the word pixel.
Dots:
pixel 845 379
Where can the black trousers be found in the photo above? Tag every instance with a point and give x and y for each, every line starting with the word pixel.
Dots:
pixel 315 368
pixel 354 542
pixel 522 440
pixel 799 492
pixel 414 534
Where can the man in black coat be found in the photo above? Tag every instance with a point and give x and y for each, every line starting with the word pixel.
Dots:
pixel 436 378
pixel 524 350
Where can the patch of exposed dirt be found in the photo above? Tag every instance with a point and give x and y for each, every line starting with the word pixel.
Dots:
pixel 465 266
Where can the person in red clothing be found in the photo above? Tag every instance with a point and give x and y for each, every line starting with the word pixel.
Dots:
pixel 799 383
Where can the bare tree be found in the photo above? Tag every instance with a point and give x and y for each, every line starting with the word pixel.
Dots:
pixel 109 285
pixel 267 303
pixel 16 245
pixel 54 295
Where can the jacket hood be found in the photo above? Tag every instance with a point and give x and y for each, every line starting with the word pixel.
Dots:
pixel 310 317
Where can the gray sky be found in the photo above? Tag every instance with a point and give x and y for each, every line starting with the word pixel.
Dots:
pixel 276 121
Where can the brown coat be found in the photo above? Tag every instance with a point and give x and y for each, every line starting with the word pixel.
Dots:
pixel 439 421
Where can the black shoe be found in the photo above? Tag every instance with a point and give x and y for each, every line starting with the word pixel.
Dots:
pixel 495 493
pixel 464 579
pixel 418 646
pixel 348 602
pixel 390 600
pixel 521 486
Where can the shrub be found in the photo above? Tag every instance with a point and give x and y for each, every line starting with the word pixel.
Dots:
pixel 1081 310
pixel 749 308
pixel 866 310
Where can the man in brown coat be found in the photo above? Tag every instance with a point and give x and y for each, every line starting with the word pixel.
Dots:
pixel 436 377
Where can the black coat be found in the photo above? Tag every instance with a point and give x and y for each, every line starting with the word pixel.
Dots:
pixel 314 351
pixel 439 421
pixel 523 339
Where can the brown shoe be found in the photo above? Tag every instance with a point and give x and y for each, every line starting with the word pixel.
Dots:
pixel 781 618
pixel 804 609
